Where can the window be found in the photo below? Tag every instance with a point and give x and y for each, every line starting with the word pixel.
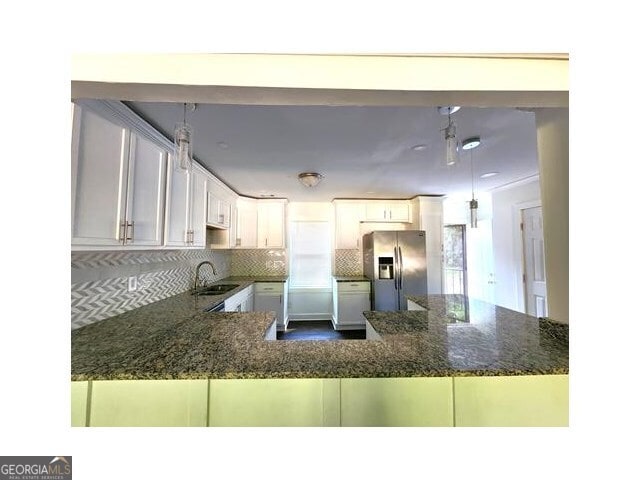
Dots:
pixel 310 255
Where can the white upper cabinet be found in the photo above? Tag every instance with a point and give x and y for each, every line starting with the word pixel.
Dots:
pixel 388 211
pixel 218 204
pixel 246 231
pixel 117 184
pixel 271 223
pixel 198 214
pixel 218 211
pixel 349 214
pixel 186 206
pixel 145 192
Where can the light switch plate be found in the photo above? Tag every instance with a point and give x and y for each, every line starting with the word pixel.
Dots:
pixel 133 284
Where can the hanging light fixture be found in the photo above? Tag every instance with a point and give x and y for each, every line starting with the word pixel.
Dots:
pixel 470 144
pixel 451 152
pixel 183 141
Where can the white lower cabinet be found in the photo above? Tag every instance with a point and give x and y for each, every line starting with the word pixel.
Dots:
pixel 241 301
pixel 503 401
pixel 272 297
pixel 350 299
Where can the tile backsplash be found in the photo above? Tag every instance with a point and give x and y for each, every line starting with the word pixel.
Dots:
pixel 259 262
pixel 348 262
pixel 99 280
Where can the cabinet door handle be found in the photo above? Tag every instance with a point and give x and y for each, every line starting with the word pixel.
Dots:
pixel 123 233
pixel 265 242
pixel 390 216
pixel 280 299
pixel 385 214
pixel 132 225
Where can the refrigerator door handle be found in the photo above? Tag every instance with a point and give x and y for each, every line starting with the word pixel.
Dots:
pixel 401 263
pixel 395 267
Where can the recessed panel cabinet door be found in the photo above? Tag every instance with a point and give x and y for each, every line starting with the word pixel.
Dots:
pixel 99 154
pixel 177 206
pixel 147 163
pixel 247 223
pixel 271 224
pixel 198 209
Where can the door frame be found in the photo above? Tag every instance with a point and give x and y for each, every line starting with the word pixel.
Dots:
pixel 465 274
pixel 518 249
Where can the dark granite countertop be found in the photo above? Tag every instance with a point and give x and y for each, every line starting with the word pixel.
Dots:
pixel 343 278
pixel 175 339
pixel 263 279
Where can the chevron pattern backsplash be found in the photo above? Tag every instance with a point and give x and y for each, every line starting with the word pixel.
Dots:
pixel 259 262
pixel 348 262
pixel 99 279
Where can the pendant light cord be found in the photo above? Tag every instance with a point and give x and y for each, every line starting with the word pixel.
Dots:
pixel 472 189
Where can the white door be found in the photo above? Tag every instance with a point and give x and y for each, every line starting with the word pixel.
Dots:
pixel 481 279
pixel 535 280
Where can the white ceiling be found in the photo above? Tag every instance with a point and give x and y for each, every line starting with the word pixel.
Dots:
pixel 362 152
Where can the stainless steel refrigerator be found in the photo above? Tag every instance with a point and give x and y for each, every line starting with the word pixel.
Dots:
pixel 396 264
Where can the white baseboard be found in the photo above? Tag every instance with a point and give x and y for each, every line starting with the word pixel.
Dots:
pixel 309 316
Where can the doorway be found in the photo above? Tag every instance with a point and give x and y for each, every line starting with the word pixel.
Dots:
pixel 534 275
pixel 455 272
pixel 455 259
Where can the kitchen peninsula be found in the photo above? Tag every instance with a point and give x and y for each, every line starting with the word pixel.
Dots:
pixel 171 363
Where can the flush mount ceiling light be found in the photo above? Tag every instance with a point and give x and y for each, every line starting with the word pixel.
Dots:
pixel 451 152
pixel 183 141
pixel 470 143
pixel 309 179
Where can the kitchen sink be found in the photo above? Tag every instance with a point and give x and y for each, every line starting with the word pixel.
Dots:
pixel 215 289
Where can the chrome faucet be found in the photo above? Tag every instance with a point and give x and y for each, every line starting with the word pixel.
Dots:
pixel 195 282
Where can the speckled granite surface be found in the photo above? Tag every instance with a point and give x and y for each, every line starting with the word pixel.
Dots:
pixel 174 338
pixel 342 278
pixel 272 278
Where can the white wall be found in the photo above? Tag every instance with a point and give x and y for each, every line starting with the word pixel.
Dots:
pixel 507 241
pixel 552 127
pixel 427 216
pixel 305 303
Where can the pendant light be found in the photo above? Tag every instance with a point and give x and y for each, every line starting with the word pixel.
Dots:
pixel 451 143
pixel 183 142
pixel 470 144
